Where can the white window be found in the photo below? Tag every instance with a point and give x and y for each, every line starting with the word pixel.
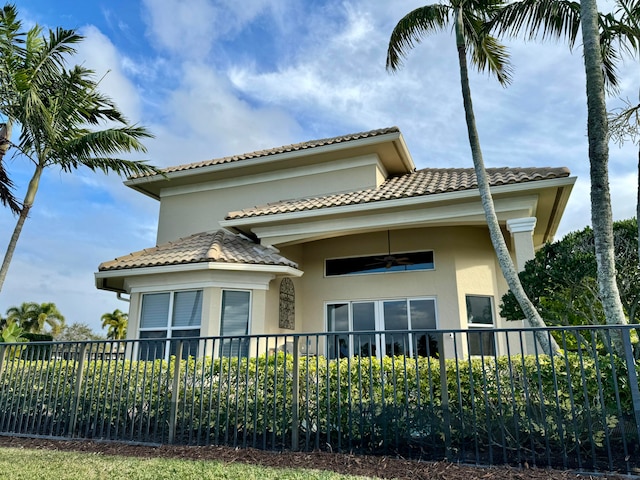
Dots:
pixel 234 322
pixel 480 322
pixel 170 315
pixel 403 315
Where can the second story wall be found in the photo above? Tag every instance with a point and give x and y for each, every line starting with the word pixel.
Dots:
pixel 199 207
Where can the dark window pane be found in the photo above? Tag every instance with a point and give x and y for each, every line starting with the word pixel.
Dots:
pixel 479 310
pixel 155 310
pixel 152 349
pixel 190 347
pixel 423 317
pixel 236 306
pixel 187 309
pixel 338 321
pixel 399 262
pixel 481 342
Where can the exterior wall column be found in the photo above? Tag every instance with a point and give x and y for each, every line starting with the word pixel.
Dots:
pixel 521 230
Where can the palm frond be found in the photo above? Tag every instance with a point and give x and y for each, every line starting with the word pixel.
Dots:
pixel 411 28
pixel 487 53
pixel 493 56
pixel 7 198
pixel 544 19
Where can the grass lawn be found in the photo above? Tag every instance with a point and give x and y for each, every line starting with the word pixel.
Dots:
pixel 28 464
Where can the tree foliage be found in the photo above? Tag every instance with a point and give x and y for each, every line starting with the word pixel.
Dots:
pixel 77 332
pixel 561 279
pixel 116 324
pixel 32 317
pixel 63 119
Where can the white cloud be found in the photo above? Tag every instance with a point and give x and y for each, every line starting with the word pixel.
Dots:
pixel 98 53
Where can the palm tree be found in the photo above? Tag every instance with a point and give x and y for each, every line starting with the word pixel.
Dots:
pixel 116 323
pixel 470 20
pixel 563 18
pixel 32 317
pixel 60 113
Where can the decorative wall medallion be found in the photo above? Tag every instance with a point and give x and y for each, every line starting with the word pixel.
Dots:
pixel 287 304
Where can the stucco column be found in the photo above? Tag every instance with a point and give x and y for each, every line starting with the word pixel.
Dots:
pixel 521 230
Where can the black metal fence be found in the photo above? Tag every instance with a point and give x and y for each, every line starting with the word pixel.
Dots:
pixel 472 396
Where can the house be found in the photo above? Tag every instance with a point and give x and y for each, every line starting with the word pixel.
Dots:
pixel 334 235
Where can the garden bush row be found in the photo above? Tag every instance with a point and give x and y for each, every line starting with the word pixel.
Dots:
pixel 572 408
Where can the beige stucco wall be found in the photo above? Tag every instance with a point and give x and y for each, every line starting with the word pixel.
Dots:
pixel 200 207
pixel 463 259
pixel 464 265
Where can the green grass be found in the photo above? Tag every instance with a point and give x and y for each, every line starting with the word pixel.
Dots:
pixel 26 464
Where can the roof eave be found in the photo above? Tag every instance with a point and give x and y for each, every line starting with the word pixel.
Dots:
pixel 101 277
pixel 151 185
pixel 400 202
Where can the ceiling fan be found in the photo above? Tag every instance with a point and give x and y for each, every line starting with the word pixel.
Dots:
pixel 389 260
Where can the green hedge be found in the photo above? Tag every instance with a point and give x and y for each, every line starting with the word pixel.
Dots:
pixel 559 406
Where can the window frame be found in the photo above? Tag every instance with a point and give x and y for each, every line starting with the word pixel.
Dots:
pixel 377 257
pixel 168 327
pixel 249 322
pixel 379 342
pixel 479 327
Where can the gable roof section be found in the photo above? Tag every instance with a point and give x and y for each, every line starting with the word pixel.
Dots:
pixel 296 147
pixel 219 246
pixel 428 181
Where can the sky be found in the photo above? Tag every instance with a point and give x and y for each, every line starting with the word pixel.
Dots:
pixel 211 78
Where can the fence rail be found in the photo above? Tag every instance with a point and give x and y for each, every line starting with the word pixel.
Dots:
pixel 507 402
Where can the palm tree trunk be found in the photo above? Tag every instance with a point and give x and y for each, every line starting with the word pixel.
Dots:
pixel 24 213
pixel 638 205
pixel 597 128
pixel 546 341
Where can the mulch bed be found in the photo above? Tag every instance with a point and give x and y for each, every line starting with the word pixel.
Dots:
pixel 381 467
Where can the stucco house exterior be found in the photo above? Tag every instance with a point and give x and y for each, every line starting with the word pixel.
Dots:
pixel 334 235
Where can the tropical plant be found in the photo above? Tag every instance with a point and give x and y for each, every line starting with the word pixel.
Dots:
pixel 562 18
pixel 11 332
pixel 116 324
pixel 470 20
pixel 62 117
pixel 561 279
pixel 32 317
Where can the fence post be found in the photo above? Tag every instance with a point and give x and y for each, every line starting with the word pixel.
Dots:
pixel 78 388
pixel 444 394
pixel 3 354
pixel 633 378
pixel 175 386
pixel 296 392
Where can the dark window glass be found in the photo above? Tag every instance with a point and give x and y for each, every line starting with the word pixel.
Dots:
pixel 398 262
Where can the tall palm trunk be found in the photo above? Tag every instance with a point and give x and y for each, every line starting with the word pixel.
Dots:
pixel 546 341
pixel 597 128
pixel 24 213
pixel 638 205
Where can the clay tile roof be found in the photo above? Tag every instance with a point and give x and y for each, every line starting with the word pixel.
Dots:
pixel 274 151
pixel 220 246
pixel 428 181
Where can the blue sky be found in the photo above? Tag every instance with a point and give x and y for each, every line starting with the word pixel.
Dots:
pixel 217 77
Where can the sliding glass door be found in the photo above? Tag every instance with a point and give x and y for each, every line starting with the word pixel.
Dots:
pixel 393 317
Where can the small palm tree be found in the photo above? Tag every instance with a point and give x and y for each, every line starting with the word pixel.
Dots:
pixel 60 113
pixel 32 317
pixel 116 324
pixel 470 20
